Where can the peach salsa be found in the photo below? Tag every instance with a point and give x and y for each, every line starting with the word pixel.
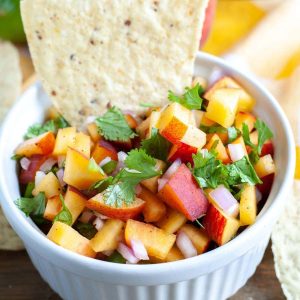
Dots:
pixel 171 183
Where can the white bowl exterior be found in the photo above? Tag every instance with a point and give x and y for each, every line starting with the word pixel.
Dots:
pixel 214 275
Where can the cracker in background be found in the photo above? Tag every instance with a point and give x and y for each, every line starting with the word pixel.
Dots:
pixel 10 87
pixel 286 245
pixel 89 52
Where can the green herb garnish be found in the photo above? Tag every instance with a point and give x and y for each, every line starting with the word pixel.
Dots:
pixel 233 134
pixel 86 229
pixel 109 167
pixel 116 257
pixel 113 126
pixel 28 190
pixel 64 215
pixel 190 99
pixel 17 157
pixel 156 146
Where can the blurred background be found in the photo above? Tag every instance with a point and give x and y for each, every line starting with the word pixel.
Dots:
pixel 259 36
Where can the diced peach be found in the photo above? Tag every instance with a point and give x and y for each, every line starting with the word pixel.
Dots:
pixel 68 238
pixel 246 118
pixel 183 194
pixel 154 208
pixel 254 137
pixel 266 186
pixel 28 175
pixel 205 121
pixel 240 141
pixel 102 150
pixel 65 138
pixel 297 171
pixel 152 183
pixel 143 128
pixel 156 241
pixel 49 185
pixel 220 148
pixel 246 102
pixel 218 226
pixel 109 236
pixel 173 122
pixel 222 135
pixel 123 212
pixel 53 207
pixel 194 137
pixel 83 144
pixel 198 237
pixel 173 255
pixel 265 166
pixel 75 202
pixel 77 171
pixel 248 205
pixel 197 115
pixel 94 132
pixel 43 145
pixel 131 121
pixel 183 152
pixel 222 106
pixel 172 222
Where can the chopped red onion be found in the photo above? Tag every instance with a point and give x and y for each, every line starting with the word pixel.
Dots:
pixel 48 164
pixel 39 176
pixel 60 176
pixel 161 183
pixel 172 169
pixel 127 253
pixel 25 163
pixel 225 200
pixel 121 158
pixel 103 162
pixel 98 223
pixel 139 249
pixel 185 245
pixel 236 152
pixel 61 160
pixel 258 195
pixel 86 216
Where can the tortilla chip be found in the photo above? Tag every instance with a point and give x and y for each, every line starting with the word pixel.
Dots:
pixel 10 87
pixel 11 77
pixel 91 53
pixel 286 244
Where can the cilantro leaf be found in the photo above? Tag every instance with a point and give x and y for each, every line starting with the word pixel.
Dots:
pixel 110 166
pixel 86 229
pixel 64 215
pixel 156 146
pixel 113 126
pixel 116 257
pixel 52 125
pixel 213 129
pixel 138 166
pixel 101 185
pixel 33 207
pixel 94 167
pixel 264 134
pixel 190 99
pixel 233 134
pixel 28 190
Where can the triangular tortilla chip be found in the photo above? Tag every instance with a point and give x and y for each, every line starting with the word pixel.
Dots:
pixel 89 52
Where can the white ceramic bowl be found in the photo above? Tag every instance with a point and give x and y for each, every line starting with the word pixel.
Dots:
pixel 214 275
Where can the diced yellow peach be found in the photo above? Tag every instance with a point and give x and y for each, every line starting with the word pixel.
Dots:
pixel 65 138
pixel 83 144
pixel 205 121
pixel 154 209
pixel 222 106
pixel 68 238
pixel 152 183
pixel 173 255
pixel 42 145
pixel 157 242
pixel 109 236
pixel 248 205
pixel 93 132
pixel 102 150
pixel 49 185
pixel 194 137
pixel 246 102
pixel 265 166
pixel 131 121
pixel 220 148
pixel 77 172
pixel 254 137
pixel 53 207
pixel 174 122
pixel 246 118
pixel 198 237
pixel 240 140
pixel 75 202
pixel 172 222
pixel 145 128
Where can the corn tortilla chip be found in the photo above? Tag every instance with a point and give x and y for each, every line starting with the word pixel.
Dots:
pixel 89 53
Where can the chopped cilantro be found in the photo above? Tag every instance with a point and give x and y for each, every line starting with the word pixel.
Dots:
pixel 17 157
pixel 86 229
pixel 213 129
pixel 156 146
pixel 33 207
pixel 101 185
pixel 190 99
pixel 233 134
pixel 64 215
pixel 116 257
pixel 28 190
pixel 109 167
pixel 113 126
